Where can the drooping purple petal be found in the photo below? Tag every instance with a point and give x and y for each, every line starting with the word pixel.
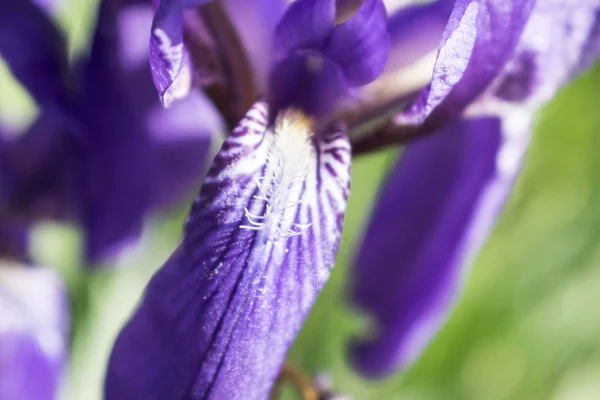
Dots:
pixel 170 61
pixel 216 321
pixel 360 45
pixel 436 209
pixel 480 38
pixel 34 49
pixel 33 332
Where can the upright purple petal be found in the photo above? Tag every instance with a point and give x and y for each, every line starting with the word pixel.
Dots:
pixel 435 211
pixel 480 38
pixel 34 49
pixel 169 59
pixel 217 320
pixel 316 62
pixel 360 45
pixel 306 25
pixel 313 90
pixel 33 332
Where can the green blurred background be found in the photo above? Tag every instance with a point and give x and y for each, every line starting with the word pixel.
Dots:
pixel 527 326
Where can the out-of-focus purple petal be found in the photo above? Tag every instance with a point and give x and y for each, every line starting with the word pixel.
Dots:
pixel 435 211
pixel 139 156
pixel 360 45
pixel 14 241
pixel 117 189
pixel 42 166
pixel 255 23
pixel 295 82
pixel 33 48
pixel 217 320
pixel 306 25
pixel 33 332
pixel 170 61
pixel 480 38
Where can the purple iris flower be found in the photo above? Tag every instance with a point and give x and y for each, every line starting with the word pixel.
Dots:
pixel 102 152
pixel 217 319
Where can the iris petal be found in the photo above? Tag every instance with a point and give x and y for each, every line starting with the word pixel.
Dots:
pixel 435 211
pixel 137 153
pixel 217 320
pixel 480 38
pixel 306 25
pixel 33 332
pixel 34 49
pixel 360 45
pixel 169 59
pixel 434 248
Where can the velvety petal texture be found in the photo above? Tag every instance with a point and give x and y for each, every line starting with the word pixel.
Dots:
pixel 218 318
pixel 480 38
pixel 169 59
pixel 33 332
pixel 33 48
pixel 433 214
pixel 321 59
